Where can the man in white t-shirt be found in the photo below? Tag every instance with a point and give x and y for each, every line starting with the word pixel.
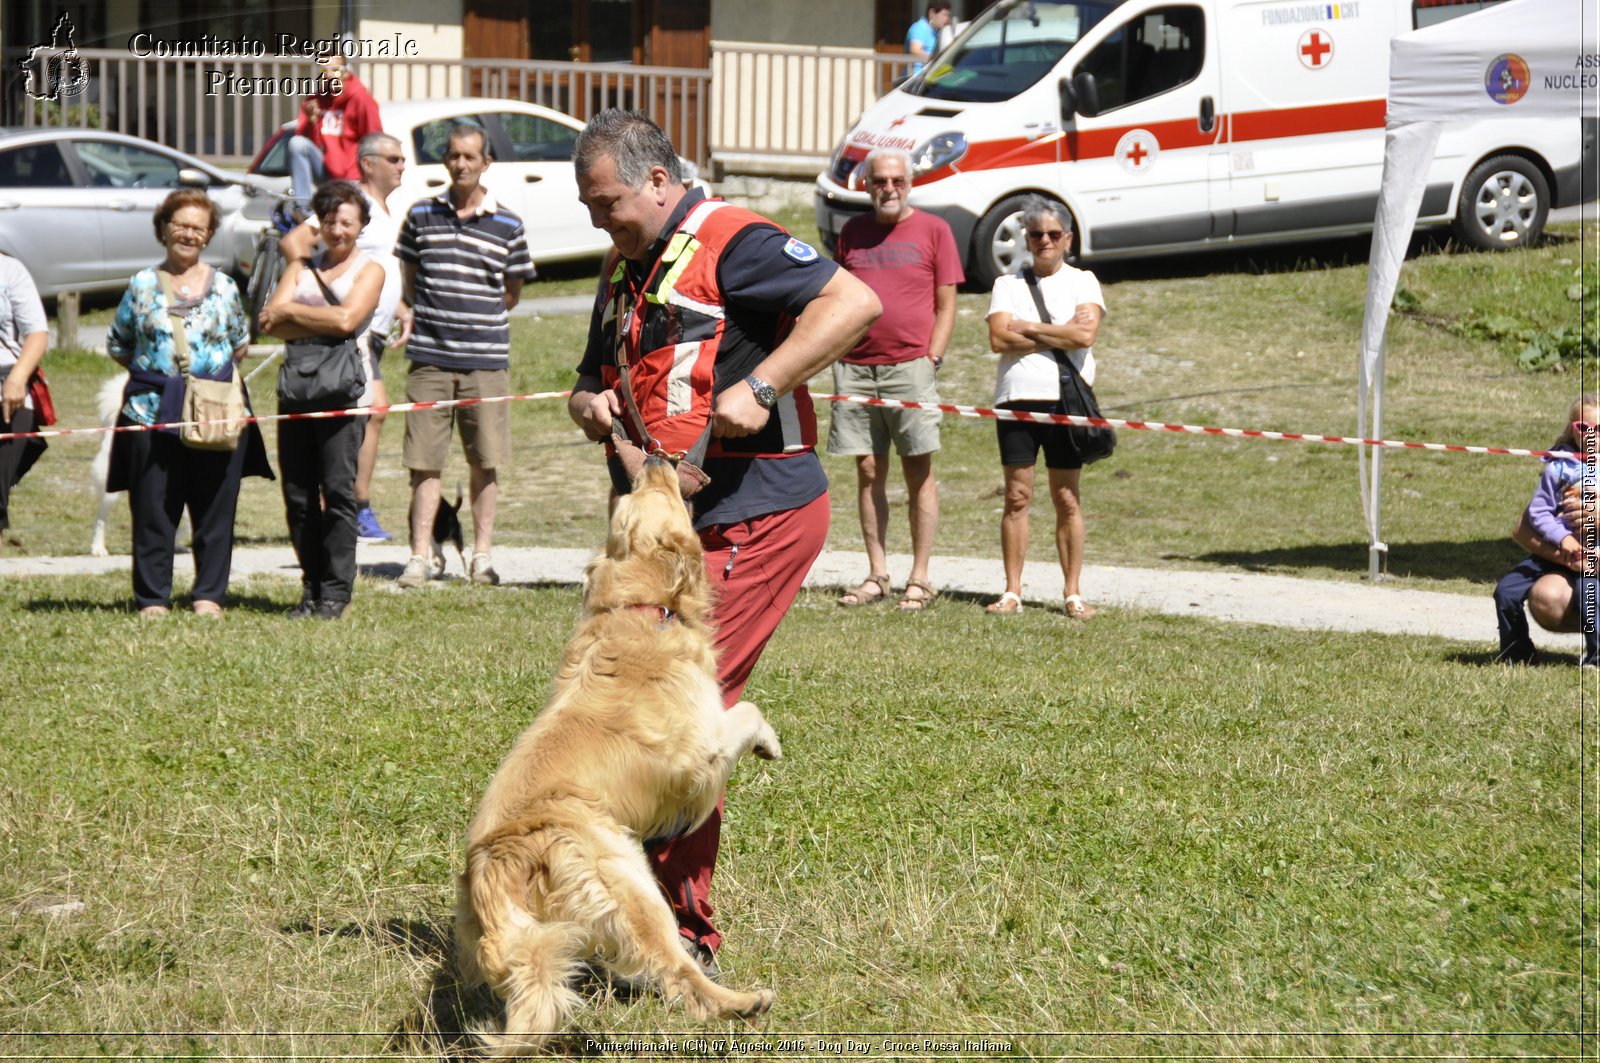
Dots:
pixel 1029 378
pixel 382 163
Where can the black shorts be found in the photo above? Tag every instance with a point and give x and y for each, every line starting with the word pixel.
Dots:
pixel 1020 442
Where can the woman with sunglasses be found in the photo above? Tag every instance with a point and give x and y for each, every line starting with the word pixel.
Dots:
pixel 1030 379
pixel 1555 550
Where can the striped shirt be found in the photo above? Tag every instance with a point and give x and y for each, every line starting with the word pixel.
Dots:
pixel 462 265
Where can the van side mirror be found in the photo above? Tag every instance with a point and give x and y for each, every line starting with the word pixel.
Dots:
pixel 1087 93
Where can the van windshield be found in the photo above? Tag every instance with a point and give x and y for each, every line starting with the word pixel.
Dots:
pixel 1007 49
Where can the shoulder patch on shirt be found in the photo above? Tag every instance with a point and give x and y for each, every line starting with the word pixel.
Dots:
pixel 800 251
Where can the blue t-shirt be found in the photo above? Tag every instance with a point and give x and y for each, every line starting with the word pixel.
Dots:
pixel 923 33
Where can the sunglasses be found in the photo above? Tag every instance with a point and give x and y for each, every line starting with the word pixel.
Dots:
pixel 392 160
pixel 885 182
pixel 1047 234
pixel 1583 428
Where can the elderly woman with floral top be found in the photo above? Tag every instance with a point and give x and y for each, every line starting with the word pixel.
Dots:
pixel 161 475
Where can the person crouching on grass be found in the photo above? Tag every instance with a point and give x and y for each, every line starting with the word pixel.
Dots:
pixel 1571 470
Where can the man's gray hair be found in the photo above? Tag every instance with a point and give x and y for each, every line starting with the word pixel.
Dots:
pixel 471 129
pixel 1037 208
pixel 886 153
pixel 376 144
pixel 634 143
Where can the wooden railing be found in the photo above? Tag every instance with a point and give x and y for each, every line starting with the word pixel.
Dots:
pixel 783 109
pixel 195 104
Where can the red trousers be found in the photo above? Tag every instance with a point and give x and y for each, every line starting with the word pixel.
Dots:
pixel 757 567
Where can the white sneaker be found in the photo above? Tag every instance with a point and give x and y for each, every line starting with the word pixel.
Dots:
pixel 482 571
pixel 416 573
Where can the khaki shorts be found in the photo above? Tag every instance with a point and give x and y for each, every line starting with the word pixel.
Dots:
pixel 856 429
pixel 485 429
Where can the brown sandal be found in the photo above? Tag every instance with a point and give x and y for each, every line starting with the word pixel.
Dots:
pixel 915 603
pixel 859 596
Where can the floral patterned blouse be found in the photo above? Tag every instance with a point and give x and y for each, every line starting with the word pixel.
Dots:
pixel 141 334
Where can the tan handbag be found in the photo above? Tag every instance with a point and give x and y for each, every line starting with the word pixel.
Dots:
pixel 220 401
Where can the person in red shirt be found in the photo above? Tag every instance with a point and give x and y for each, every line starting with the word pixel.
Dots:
pixel 328 132
pixel 910 259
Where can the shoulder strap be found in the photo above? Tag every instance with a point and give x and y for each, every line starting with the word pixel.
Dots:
pixel 327 292
pixel 180 338
pixel 1063 360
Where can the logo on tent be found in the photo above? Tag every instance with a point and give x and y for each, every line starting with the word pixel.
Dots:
pixel 1315 49
pixel 1507 79
pixel 1137 150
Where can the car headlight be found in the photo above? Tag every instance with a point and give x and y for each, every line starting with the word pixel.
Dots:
pixel 946 149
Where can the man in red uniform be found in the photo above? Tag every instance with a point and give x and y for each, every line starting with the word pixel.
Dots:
pixel 328 133
pixel 721 318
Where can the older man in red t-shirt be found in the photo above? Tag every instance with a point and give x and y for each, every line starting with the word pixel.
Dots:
pixel 909 258
pixel 328 132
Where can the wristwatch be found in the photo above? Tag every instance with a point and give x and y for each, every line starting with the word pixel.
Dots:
pixel 765 393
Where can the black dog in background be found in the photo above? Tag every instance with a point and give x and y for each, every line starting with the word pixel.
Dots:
pixel 446 529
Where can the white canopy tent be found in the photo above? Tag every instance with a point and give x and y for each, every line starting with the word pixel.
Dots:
pixel 1533 55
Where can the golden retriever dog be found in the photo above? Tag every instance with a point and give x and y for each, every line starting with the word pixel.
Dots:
pixel 634 745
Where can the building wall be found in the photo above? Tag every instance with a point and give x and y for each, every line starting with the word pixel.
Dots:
pixel 837 23
pixel 436 26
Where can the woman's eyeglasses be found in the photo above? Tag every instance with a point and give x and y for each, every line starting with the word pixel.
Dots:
pixel 1047 234
pixel 1583 428
pixel 192 230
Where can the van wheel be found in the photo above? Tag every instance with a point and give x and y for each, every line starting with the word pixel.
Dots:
pixel 1504 203
pixel 999 245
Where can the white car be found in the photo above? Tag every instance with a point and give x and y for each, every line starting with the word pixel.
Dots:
pixel 76 206
pixel 531 174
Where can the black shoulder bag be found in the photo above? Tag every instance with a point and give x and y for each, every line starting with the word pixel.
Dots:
pixel 1077 397
pixel 320 372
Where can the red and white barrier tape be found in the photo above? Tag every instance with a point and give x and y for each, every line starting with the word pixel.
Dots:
pixel 962 411
pixel 1160 426
pixel 354 411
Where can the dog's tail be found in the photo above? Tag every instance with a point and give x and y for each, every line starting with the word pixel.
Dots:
pixel 530 963
pixel 109 399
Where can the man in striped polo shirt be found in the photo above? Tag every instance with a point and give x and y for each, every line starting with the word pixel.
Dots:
pixel 464 259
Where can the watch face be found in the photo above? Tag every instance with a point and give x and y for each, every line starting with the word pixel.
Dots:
pixel 765 393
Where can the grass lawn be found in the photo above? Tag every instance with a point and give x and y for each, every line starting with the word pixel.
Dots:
pixel 1148 836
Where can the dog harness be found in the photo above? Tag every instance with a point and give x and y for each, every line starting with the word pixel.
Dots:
pixel 668 333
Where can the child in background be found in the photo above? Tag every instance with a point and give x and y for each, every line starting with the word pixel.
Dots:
pixel 1570 469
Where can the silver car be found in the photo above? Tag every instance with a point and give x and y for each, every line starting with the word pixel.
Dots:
pixel 76 206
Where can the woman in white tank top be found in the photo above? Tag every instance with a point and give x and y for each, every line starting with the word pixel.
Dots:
pixel 317 458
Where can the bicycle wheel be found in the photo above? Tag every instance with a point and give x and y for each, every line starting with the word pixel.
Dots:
pixel 264 273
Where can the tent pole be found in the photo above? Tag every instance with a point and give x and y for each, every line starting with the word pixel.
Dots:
pixel 1377 549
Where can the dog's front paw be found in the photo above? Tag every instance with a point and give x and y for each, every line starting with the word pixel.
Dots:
pixel 767 746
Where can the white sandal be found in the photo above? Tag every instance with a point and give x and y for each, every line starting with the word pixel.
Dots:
pixel 1076 608
pixel 1010 604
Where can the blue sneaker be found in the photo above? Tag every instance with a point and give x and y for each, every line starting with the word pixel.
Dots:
pixel 368 530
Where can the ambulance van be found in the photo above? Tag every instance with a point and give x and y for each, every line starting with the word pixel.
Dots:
pixel 1180 125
